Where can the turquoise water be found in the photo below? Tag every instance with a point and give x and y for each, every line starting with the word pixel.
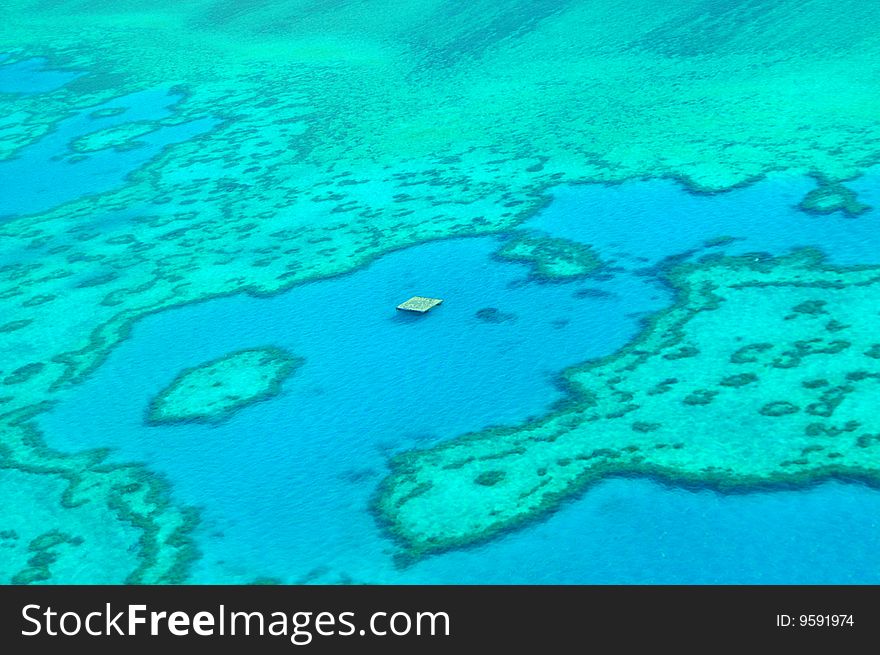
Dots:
pixel 375 382
pixel 47 173
pixel 285 485
pixel 630 531
pixel 32 76
pixel 640 223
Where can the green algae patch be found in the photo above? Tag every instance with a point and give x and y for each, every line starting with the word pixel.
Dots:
pixel 212 392
pixel 551 258
pixel 728 416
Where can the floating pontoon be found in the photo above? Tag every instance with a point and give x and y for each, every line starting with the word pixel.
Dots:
pixel 419 304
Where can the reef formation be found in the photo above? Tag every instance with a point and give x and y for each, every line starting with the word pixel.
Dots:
pixel 551 259
pixel 764 373
pixel 829 197
pixel 296 141
pixel 214 391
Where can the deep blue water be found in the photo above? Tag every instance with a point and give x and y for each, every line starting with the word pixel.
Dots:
pixel 298 471
pixel 285 485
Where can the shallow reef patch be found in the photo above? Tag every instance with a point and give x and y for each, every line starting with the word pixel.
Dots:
pixel 831 197
pixel 214 391
pixel 551 258
pixel 629 415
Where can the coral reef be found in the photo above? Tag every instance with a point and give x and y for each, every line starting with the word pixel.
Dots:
pixel 122 509
pixel 550 258
pixel 757 392
pixel 494 315
pixel 296 141
pixel 830 197
pixel 213 391
pixel 43 553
